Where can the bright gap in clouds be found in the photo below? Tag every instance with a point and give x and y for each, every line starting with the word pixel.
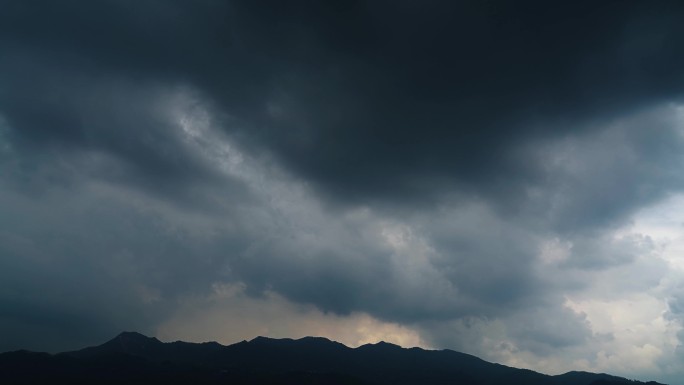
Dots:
pixel 643 329
pixel 628 307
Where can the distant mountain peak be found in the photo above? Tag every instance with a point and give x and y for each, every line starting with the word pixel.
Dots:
pixel 132 343
pixel 262 339
pixel 307 339
pixel 134 336
pixel 314 338
pixel 381 345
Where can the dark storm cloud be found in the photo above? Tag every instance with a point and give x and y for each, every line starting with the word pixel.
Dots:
pixel 376 99
pixel 402 100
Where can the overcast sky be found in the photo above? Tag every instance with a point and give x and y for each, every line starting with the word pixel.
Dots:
pixel 504 179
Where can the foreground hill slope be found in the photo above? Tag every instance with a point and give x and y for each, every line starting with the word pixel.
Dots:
pixel 133 358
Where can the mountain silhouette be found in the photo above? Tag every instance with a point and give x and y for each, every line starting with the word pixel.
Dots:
pixel 134 358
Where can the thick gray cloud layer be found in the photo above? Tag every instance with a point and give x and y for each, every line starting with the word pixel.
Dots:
pixel 468 170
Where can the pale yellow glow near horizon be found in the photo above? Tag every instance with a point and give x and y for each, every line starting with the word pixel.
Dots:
pixel 231 316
